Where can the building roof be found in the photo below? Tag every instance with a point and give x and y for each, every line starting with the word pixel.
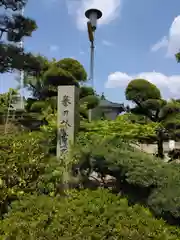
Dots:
pixel 107 104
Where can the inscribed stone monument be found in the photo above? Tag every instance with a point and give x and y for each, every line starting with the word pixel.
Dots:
pixel 67 117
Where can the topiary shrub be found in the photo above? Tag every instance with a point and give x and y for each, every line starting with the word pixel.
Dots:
pixel 82 215
pixel 57 76
pixel 140 176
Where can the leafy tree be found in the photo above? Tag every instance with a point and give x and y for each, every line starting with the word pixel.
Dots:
pixel 149 103
pixel 54 73
pixel 140 90
pixel 14 27
pixel 88 100
pixel 64 72
pixel 86 91
pixel 35 83
pixel 91 101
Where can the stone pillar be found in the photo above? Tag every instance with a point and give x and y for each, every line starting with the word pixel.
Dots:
pixel 67 117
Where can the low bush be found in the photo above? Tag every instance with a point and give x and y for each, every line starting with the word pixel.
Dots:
pixel 26 167
pixel 82 215
pixel 121 127
pixel 140 176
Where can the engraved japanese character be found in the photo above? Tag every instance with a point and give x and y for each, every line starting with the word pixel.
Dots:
pixel 64 138
pixel 65 113
pixel 66 100
pixel 66 122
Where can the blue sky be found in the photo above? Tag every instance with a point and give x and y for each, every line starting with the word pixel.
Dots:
pixel 135 38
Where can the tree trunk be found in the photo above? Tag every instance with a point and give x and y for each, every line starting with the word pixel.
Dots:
pixel 160 147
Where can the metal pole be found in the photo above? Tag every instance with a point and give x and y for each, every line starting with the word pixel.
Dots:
pixel 21 45
pixel 91 75
pixel 92 64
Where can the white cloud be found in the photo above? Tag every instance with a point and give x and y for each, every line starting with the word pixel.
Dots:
pixel 160 44
pixel 53 48
pixel 169 85
pixel 82 53
pixel 107 43
pixel 110 9
pixel 171 42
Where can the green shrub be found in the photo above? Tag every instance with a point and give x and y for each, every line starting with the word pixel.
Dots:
pixel 25 166
pixel 82 215
pixel 121 127
pixel 141 176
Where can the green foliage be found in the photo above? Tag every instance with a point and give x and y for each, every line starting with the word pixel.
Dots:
pixel 140 90
pixel 91 101
pixel 83 215
pixel 38 106
pixel 86 91
pixel 6 99
pixel 74 68
pixel 35 82
pixel 171 108
pixel 57 76
pixel 44 86
pixel 178 57
pixel 153 104
pixel 20 27
pixel 14 27
pixel 88 100
pixel 13 4
pixel 26 167
pixel 83 111
pixel 149 103
pixel 52 74
pixel 121 127
pixel 139 176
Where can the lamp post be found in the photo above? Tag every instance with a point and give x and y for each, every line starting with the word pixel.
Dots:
pixel 93 15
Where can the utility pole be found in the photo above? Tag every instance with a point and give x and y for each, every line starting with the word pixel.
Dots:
pixel 21 73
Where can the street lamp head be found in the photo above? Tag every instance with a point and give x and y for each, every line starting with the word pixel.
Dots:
pixel 93 15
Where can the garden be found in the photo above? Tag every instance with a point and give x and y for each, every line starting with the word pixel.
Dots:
pixel 104 187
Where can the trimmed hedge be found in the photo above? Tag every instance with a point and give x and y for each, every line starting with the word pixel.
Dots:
pixel 83 215
pixel 139 175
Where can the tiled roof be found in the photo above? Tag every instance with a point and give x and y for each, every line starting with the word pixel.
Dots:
pixel 106 104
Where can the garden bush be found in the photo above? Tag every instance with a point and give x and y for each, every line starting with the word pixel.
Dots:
pixel 26 166
pixel 140 176
pixel 121 127
pixel 82 215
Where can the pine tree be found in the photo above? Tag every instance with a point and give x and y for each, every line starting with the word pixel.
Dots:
pixel 14 27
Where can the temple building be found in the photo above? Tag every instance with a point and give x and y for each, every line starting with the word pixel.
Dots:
pixel 107 110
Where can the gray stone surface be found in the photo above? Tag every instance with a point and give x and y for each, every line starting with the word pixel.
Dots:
pixel 68 117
